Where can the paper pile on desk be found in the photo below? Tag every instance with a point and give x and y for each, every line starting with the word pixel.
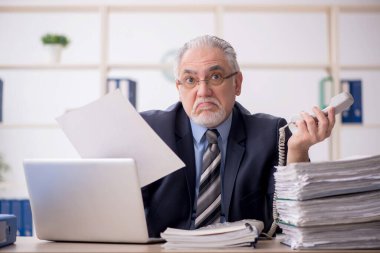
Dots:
pixel 221 235
pixel 303 181
pixel 342 236
pixel 111 128
pixel 330 205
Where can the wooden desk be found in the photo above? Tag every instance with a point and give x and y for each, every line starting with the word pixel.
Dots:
pixel 31 244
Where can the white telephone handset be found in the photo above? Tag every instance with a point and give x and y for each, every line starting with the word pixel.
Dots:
pixel 341 102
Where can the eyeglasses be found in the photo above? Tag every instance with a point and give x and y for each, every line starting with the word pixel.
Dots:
pixel 215 80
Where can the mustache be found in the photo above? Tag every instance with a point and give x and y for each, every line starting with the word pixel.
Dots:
pixel 205 100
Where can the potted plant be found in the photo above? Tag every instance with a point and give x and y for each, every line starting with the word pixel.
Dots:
pixel 55 43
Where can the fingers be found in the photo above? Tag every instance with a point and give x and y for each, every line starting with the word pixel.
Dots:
pixel 312 129
pixel 311 125
pixel 323 124
pixel 331 117
pixel 301 125
pixel 318 127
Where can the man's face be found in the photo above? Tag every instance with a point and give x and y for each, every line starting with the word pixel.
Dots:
pixel 205 104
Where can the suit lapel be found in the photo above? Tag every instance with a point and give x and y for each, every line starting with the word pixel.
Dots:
pixel 185 148
pixel 235 151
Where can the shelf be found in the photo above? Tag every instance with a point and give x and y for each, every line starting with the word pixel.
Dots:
pixel 360 8
pixel 284 66
pixel 167 66
pixel 162 8
pixel 275 8
pixel 360 67
pixel 169 8
pixel 48 9
pixel 29 126
pixel 48 66
pixel 242 65
pixel 138 66
pixel 357 125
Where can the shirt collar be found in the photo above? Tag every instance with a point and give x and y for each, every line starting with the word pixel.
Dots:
pixel 223 129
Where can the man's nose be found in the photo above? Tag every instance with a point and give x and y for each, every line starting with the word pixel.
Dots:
pixel 203 89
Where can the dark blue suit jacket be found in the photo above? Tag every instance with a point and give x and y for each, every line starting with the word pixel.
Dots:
pixel 252 153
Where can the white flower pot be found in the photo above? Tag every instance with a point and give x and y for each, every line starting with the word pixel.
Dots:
pixel 54 52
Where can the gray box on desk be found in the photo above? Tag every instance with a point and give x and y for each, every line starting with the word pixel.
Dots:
pixel 8 229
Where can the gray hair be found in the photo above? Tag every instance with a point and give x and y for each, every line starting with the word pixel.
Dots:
pixel 210 41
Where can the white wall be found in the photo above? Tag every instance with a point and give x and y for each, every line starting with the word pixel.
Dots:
pixel 33 98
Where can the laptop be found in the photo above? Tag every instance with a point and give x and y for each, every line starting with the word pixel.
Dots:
pixel 87 200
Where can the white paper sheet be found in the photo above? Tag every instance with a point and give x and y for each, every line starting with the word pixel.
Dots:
pixel 110 127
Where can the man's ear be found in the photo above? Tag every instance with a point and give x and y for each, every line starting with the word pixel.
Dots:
pixel 177 85
pixel 238 83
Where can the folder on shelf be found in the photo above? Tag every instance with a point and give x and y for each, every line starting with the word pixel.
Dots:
pixel 5 206
pixel 27 218
pixel 21 209
pixel 126 86
pixel 16 210
pixel 355 113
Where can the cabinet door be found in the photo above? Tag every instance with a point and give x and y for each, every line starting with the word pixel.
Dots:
pixel 146 37
pixel 38 97
pixel 21 36
pixel 359 40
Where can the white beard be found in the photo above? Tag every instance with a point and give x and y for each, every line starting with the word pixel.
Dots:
pixel 208 118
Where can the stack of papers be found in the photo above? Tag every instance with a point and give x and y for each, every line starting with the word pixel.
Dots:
pixel 221 235
pixel 346 236
pixel 330 205
pixel 342 209
pixel 303 181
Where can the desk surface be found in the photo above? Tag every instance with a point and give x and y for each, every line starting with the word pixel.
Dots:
pixel 31 244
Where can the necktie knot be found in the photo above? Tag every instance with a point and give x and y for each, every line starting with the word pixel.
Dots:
pixel 212 136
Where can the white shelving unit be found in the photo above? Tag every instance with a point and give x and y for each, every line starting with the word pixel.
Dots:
pixel 334 66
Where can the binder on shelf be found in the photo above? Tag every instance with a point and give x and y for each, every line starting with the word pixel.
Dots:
pixel 5 206
pixel 126 86
pixel 355 113
pixel 27 218
pixel 21 209
pixel 16 210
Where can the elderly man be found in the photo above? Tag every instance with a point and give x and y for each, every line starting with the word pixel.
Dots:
pixel 229 153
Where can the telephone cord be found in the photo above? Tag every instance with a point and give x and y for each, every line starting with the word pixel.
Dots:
pixel 281 162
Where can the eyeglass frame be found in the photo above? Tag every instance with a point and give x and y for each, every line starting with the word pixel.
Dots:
pixel 197 81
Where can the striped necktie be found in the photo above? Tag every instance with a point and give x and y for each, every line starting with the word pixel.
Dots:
pixel 209 197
